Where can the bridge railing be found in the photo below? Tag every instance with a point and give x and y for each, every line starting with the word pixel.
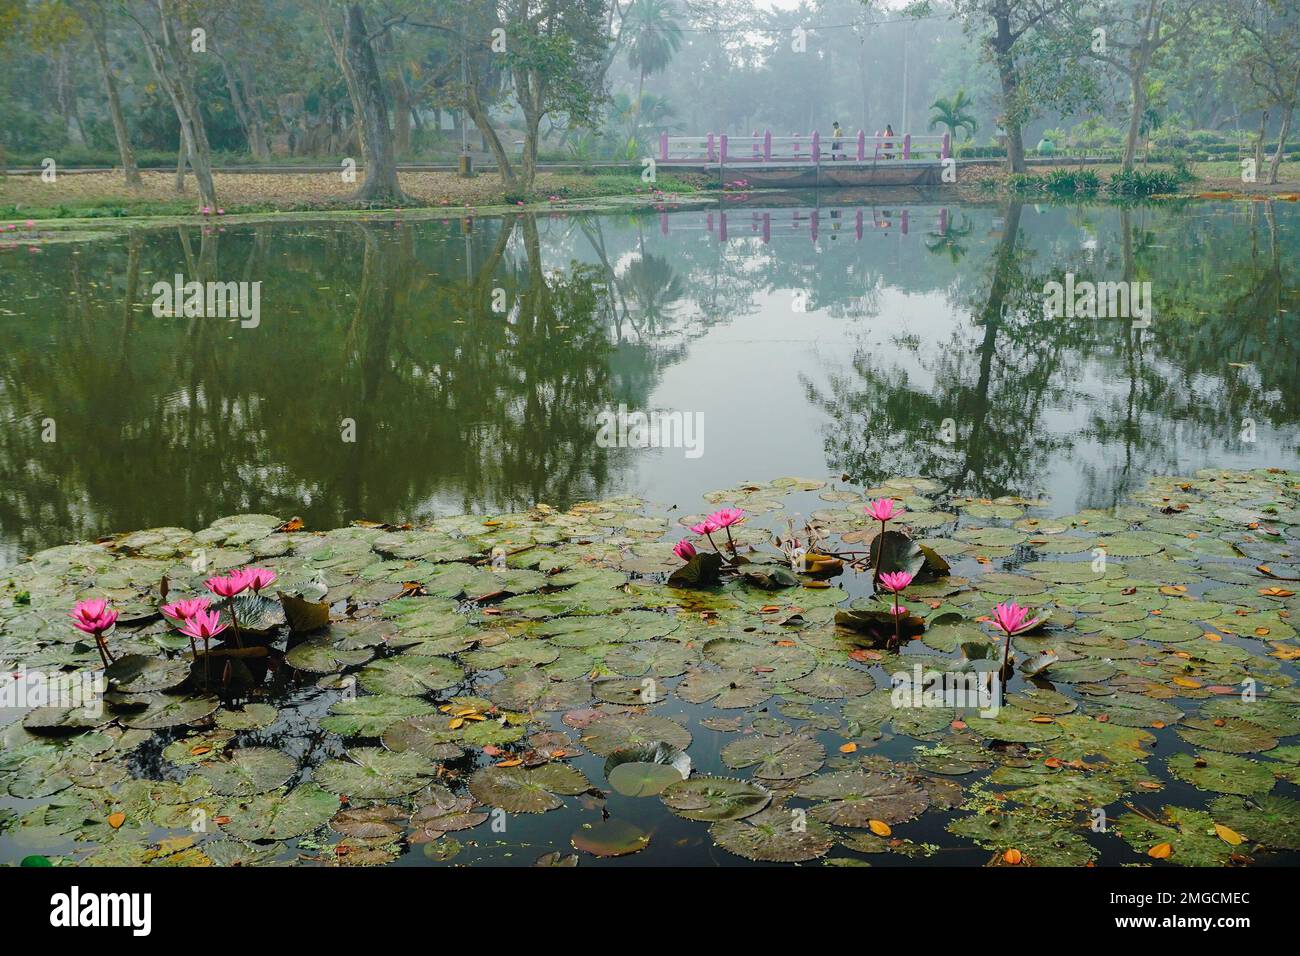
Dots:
pixel 725 149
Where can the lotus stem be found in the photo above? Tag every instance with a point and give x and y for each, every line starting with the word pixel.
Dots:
pixel 1006 657
pixel 234 619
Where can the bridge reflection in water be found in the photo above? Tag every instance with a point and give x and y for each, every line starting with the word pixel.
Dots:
pixel 808 221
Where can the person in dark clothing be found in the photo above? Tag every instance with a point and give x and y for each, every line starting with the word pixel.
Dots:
pixel 889 141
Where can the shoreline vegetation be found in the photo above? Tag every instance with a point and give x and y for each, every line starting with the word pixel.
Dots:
pixel 84 203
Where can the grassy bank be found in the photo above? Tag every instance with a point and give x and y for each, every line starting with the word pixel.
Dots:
pixel 105 196
pixel 1219 179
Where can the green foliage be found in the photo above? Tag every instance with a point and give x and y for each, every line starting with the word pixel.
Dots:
pixel 954 113
pixel 1137 182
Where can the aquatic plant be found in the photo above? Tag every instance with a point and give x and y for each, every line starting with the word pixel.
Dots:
pixel 95 617
pixel 895 582
pixel 203 626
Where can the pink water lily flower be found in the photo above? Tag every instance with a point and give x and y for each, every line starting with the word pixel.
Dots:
pixel 258 578
pixel 1011 618
pixel 228 586
pixel 95 617
pixel 204 626
pixel 184 610
pixel 895 581
pixel 684 550
pixel 706 527
pixel 884 509
pixel 726 517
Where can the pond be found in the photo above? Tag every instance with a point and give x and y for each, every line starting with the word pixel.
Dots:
pixel 451 375
pixel 840 356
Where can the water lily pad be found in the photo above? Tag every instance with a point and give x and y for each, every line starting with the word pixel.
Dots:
pixel 1272 821
pixel 1228 735
pixel 166 711
pixel 249 717
pixel 726 689
pixel 1041 841
pixel 853 798
pixel 774 835
pixel 645 770
pixel 527 789
pixel 371 716
pixel 612 837
pixel 715 798
pixel 779 663
pixel 604 735
pixel 430 735
pixel 279 816
pixel 1013 725
pixel 249 771
pixel 524 688
pixel 775 758
pixel 369 823
pixel 410 675
pixel 1189 834
pixel 323 656
pixel 834 682
pixel 371 773
pixel 1137 710
pixel 137 674
pixel 1223 773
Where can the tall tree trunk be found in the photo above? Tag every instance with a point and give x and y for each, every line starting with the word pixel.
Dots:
pixel 1135 119
pixel 1259 141
pixel 66 91
pixel 1139 61
pixel 360 68
pixel 180 164
pixel 487 132
pixel 249 85
pixel 245 110
pixel 1283 131
pixel 124 150
pixel 170 62
pixel 1002 42
pixel 401 115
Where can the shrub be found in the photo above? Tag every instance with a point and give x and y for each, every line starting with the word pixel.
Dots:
pixel 1139 183
pixel 1072 181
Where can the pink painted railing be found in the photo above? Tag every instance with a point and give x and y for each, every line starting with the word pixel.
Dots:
pixel 800 148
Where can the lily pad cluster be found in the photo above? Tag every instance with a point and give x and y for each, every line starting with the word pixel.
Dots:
pixel 430 690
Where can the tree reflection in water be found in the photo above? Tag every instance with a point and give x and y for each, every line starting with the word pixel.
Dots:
pixel 458 406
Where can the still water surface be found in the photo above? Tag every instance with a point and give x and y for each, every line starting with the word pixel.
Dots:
pixel 843 353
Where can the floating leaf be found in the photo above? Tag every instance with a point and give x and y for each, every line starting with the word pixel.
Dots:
pixel 527 790
pixel 772 836
pixel 715 798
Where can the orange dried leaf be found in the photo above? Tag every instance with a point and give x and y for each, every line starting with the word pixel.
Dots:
pixel 1228 835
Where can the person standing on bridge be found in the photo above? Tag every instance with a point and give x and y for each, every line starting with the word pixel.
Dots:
pixel 889 141
pixel 837 140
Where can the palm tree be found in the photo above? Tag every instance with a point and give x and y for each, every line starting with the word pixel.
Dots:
pixel 653 38
pixel 636 117
pixel 954 113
